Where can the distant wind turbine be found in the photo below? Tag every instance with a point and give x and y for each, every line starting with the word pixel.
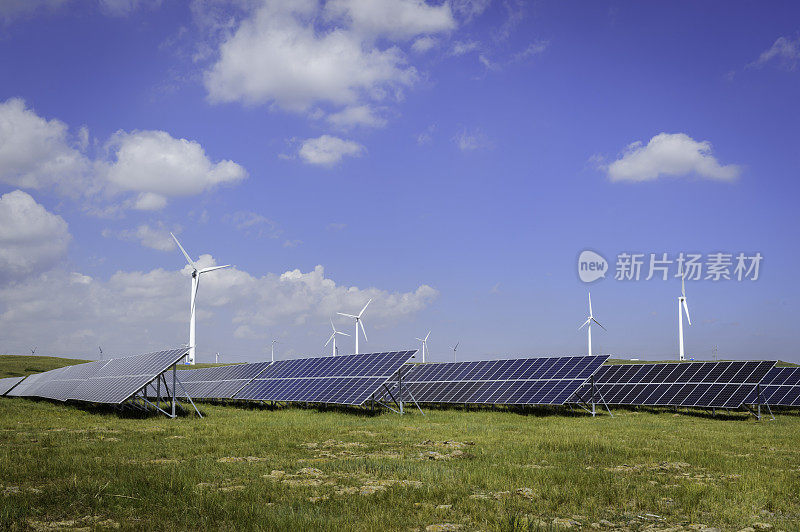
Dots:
pixel 588 322
pixel 101 352
pixel 272 350
pixel 33 350
pixel 196 273
pixel 333 337
pixel 455 347
pixel 216 358
pixel 358 322
pixel 681 307
pixel 424 345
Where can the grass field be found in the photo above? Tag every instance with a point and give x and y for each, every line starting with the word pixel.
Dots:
pixel 62 466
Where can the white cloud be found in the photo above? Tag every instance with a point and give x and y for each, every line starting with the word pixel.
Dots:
pixel 669 155
pixel 423 44
pixel 36 153
pixel 327 150
pixel 464 47
pixel 41 154
pixel 135 311
pixel 278 56
pixel 784 50
pixel 14 8
pixel 254 224
pixel 360 115
pixel 158 166
pixel 120 8
pixel 394 19
pixel 154 237
pixel 31 238
pixel 426 137
pixel 469 9
pixel 471 140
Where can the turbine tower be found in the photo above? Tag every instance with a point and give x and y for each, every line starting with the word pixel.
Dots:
pixel 272 350
pixel 196 273
pixel 358 322
pixel 588 322
pixel 424 345
pixel 333 337
pixel 681 307
pixel 454 351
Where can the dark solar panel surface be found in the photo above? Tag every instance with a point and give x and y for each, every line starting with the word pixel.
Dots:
pixel 9 382
pixel 220 382
pixel 780 387
pixel 551 380
pixel 103 381
pixel 349 379
pixel 700 384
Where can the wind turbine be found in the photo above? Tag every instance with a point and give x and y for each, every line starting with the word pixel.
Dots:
pixel 681 307
pixel 216 358
pixel 272 350
pixel 358 321
pixel 101 352
pixel 424 345
pixel 333 337
pixel 33 350
pixel 589 320
pixel 454 351
pixel 196 273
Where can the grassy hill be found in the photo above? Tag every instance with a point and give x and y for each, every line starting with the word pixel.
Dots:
pixel 20 365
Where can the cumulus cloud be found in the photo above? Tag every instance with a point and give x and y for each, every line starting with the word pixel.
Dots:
pixel 669 154
pixel 277 56
pixel 158 166
pixel 359 115
pixel 423 44
pixel 328 151
pixel 394 19
pixel 136 311
pixel 37 153
pixel 41 154
pixel 153 237
pixel 784 51
pixel 31 238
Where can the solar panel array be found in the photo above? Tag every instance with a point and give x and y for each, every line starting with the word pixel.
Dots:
pixel 348 379
pixel 220 382
pixel 551 380
pixel 700 384
pixel 780 387
pixel 9 382
pixel 106 381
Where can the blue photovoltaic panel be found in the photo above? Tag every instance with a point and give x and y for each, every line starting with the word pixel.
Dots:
pixel 104 381
pixel 220 382
pixel 8 383
pixel 701 384
pixel 348 379
pixel 780 387
pixel 521 381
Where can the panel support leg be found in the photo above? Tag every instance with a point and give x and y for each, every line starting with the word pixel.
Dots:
pixel 174 391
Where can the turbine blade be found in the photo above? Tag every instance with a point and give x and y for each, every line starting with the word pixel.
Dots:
pixel 686 308
pixel 590 303
pixel 426 336
pixel 329 340
pixel 420 339
pixel 585 323
pixel 363 330
pixel 365 307
pixel 600 324
pixel 348 315
pixel 188 259
pixel 456 346
pixel 212 268
pixel 342 333
pixel 683 286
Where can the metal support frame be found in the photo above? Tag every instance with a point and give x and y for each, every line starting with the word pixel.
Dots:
pixel 757 411
pixel 171 397
pixel 593 392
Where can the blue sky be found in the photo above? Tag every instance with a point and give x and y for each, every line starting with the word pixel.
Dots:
pixel 449 160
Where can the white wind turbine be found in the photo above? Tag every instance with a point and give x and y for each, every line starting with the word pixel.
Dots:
pixel 588 322
pixel 455 347
pixel 681 307
pixel 424 345
pixel 358 321
pixel 196 273
pixel 333 337
pixel 272 350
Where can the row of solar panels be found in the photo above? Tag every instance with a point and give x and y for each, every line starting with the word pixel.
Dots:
pixel 354 379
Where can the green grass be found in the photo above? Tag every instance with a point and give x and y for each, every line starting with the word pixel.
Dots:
pixel 348 470
pixel 19 365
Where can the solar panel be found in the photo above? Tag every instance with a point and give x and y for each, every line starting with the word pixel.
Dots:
pixel 551 380
pixel 348 379
pixel 9 382
pixel 780 387
pixel 700 384
pixel 120 378
pixel 219 382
